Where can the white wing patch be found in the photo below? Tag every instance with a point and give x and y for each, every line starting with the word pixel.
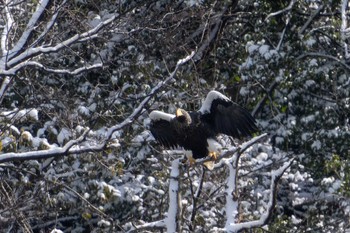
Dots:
pixel 212 95
pixel 158 115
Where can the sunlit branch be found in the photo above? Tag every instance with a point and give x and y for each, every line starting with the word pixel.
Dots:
pixel 40 9
pixel 231 151
pixel 5 34
pixel 4 86
pixel 311 18
pixel 288 8
pixel 28 53
pixel 321 55
pixel 79 70
pixel 344 25
pixel 73 147
pixel 275 177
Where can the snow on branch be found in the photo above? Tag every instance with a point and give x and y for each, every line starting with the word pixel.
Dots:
pixel 172 221
pixel 28 53
pixel 233 150
pixel 75 147
pixel 42 154
pixel 288 8
pixel 40 9
pixel 344 27
pixel 275 177
pixel 56 71
pixel 7 28
pixel 322 55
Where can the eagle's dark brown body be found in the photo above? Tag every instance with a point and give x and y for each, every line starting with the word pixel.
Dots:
pixel 191 130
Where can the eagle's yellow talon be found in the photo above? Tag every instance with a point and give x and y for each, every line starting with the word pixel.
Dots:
pixel 192 161
pixel 213 155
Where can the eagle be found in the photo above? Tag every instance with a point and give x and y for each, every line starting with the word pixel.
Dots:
pixel 196 131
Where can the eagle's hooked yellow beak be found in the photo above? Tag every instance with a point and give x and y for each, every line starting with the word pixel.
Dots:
pixel 179 112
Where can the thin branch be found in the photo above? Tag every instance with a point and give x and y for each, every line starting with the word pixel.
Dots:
pixel 173 221
pixel 232 205
pixel 28 53
pixel 311 54
pixel 263 100
pixel 275 177
pixel 5 34
pixel 288 8
pixel 218 20
pixel 40 9
pixel 74 147
pixel 228 153
pixel 79 70
pixel 145 226
pixel 4 86
pixel 310 19
pixel 195 196
pixel 344 25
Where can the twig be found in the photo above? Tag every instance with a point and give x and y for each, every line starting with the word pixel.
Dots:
pixel 311 18
pixel 312 54
pixel 79 149
pixel 288 8
pixel 275 177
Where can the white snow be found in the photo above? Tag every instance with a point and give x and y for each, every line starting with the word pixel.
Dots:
pixel 56 231
pixel 103 223
pixel 212 95
pixel 84 110
pixel 63 135
pixel 316 145
pixel 231 204
pixel 173 196
pixel 21 115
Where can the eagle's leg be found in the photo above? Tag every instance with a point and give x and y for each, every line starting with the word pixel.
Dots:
pixel 214 155
pixel 190 160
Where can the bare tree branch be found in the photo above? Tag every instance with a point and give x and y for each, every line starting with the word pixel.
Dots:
pixel 23 40
pixel 288 8
pixel 74 147
pixel 173 221
pixel 29 53
pixel 275 177
pixel 321 55
pixel 56 71
pixel 344 27
pixel 5 34
pixel 311 18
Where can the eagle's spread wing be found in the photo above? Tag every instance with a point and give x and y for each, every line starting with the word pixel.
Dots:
pixel 162 129
pixel 226 116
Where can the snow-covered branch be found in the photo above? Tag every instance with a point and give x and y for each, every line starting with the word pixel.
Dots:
pixel 52 70
pixel 29 53
pixel 275 177
pixel 40 9
pixel 75 147
pixel 228 153
pixel 173 219
pixel 6 33
pixel 322 55
pixel 288 8
pixel 311 18
pixel 344 27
